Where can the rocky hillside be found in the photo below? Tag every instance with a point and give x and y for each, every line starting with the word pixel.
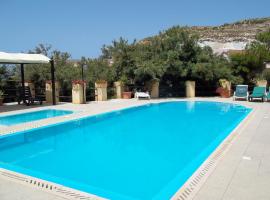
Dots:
pixel 241 31
pixel 229 37
pixel 233 36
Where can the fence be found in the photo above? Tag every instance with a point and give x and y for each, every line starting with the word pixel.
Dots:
pixel 165 91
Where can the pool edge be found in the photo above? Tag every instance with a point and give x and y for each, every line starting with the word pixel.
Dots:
pixel 47 186
pixel 193 184
pixel 187 191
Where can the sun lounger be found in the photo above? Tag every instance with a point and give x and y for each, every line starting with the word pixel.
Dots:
pixel 27 97
pixel 258 93
pixel 144 95
pixel 241 92
pixel 268 95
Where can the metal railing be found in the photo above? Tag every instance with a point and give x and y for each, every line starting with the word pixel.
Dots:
pixel 165 91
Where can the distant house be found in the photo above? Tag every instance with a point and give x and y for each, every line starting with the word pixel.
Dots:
pixel 75 62
pixel 267 64
pixel 110 62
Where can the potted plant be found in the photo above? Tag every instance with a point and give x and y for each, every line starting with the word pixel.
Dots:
pixel 1 97
pixel 127 93
pixel 260 81
pixel 225 88
pixel 223 92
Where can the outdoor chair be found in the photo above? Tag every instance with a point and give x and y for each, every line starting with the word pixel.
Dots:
pixel 241 92
pixel 258 92
pixel 27 97
pixel 268 95
pixel 144 95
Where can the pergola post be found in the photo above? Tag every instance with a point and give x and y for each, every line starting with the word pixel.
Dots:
pixel 22 81
pixel 53 81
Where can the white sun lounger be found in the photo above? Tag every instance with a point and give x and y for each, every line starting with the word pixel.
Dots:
pixel 142 95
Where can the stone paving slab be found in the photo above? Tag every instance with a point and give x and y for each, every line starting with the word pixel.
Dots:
pixel 244 170
pixel 10 190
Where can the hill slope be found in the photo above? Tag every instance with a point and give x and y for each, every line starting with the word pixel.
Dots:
pixel 233 36
pixel 241 31
pixel 227 37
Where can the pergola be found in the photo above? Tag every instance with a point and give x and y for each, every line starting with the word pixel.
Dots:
pixel 22 59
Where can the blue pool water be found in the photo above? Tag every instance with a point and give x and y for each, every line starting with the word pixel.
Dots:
pixel 144 153
pixel 10 120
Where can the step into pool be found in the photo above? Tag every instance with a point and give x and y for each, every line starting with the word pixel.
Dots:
pixel 9 120
pixel 145 152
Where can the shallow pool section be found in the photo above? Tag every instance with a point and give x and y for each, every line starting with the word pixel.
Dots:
pixel 147 152
pixel 10 120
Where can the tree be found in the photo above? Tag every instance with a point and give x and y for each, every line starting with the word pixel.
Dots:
pixel 149 62
pixel 174 53
pixel 250 64
pixel 97 69
pixel 3 75
pixel 264 38
pixel 66 71
pixel 121 53
pixel 185 58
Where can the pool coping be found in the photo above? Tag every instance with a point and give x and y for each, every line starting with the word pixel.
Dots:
pixel 47 186
pixel 7 130
pixel 186 192
pixel 193 184
pixel 11 114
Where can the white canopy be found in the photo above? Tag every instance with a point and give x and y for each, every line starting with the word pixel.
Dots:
pixel 23 58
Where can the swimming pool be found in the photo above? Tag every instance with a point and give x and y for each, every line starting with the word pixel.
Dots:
pixel 10 120
pixel 146 152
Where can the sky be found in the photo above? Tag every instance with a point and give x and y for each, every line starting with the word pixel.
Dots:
pixel 82 27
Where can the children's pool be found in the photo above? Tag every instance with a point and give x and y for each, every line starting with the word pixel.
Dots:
pixel 10 120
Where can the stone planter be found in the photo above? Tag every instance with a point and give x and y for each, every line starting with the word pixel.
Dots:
pixel 153 87
pixel 119 89
pixel 78 92
pixel 101 90
pixel 190 89
pixel 261 83
pixel 48 94
pixel 127 95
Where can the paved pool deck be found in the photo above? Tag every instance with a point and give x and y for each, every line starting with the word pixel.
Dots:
pixel 243 173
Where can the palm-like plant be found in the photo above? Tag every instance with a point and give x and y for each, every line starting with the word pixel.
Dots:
pixel 1 97
pixel 1 94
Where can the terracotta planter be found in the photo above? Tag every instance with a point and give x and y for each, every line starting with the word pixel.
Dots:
pixel 1 101
pixel 224 93
pixel 127 95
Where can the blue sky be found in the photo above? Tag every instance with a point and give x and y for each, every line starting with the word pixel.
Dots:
pixel 81 27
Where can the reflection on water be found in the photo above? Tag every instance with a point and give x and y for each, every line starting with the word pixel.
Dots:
pixel 190 106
